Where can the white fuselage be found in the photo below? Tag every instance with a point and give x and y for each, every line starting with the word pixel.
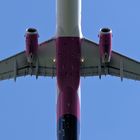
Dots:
pixel 68 18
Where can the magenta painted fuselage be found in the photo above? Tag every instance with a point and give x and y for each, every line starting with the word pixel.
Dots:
pixel 68 54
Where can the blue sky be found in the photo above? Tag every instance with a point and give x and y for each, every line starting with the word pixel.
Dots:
pixel 110 109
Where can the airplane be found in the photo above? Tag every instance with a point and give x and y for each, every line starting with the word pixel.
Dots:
pixel 68 56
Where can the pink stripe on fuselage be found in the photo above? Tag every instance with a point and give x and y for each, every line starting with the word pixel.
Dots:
pixel 68 54
pixel 68 103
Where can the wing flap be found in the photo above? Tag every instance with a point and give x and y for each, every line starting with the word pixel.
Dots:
pixel 9 67
pixel 124 67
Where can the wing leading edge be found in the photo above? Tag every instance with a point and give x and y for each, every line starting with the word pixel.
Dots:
pixel 17 65
pixel 120 65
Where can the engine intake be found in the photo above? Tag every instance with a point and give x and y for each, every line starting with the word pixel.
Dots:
pixel 31 31
pixel 105 31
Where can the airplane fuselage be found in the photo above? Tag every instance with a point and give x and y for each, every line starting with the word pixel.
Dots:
pixel 68 55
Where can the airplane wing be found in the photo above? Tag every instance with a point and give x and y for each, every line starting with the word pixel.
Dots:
pixel 120 65
pixel 17 65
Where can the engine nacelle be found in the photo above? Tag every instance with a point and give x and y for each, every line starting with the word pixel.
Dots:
pixel 105 44
pixel 31 44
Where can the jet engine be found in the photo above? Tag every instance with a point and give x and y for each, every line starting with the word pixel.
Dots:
pixel 105 44
pixel 31 44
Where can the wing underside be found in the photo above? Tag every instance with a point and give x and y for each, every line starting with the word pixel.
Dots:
pixel 17 65
pixel 120 65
